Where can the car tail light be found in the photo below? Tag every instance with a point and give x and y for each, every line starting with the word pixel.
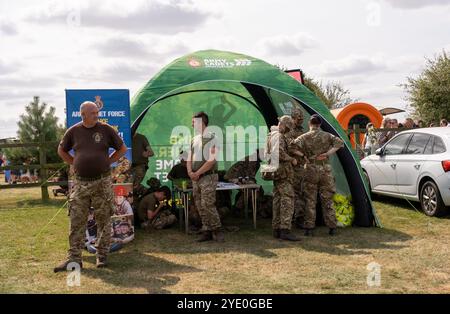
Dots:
pixel 446 165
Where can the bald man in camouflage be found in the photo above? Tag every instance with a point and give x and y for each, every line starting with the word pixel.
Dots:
pixel 283 191
pixel 90 140
pixel 299 169
pixel 317 146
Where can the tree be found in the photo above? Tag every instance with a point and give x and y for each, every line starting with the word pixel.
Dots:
pixel 332 94
pixel 37 122
pixel 429 93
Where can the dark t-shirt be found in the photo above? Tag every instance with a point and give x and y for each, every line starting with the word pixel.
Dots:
pixel 140 144
pixel 148 202
pixel 91 146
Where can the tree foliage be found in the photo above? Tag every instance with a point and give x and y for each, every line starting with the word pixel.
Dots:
pixel 332 94
pixel 39 121
pixel 429 93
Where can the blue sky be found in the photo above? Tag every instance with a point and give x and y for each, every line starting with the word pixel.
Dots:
pixel 370 46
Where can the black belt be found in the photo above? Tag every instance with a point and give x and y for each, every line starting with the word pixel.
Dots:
pixel 101 176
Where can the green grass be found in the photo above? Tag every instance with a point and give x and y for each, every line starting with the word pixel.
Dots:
pixel 412 250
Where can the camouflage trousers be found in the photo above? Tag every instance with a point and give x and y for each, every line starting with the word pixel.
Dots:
pixel 283 204
pixel 319 180
pixel 204 194
pixel 139 172
pixel 99 195
pixel 165 219
pixel 299 199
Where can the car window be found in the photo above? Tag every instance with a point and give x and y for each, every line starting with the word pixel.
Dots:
pixel 417 144
pixel 397 145
pixel 429 148
pixel 439 146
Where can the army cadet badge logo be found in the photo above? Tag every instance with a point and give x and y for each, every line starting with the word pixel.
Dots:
pixel 97 137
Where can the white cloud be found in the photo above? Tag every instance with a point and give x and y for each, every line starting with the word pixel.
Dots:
pixel 121 47
pixel 8 128
pixel 416 4
pixel 147 17
pixel 31 81
pixel 5 68
pixel 288 45
pixel 352 65
pixel 127 71
pixel 8 28
pixel 147 48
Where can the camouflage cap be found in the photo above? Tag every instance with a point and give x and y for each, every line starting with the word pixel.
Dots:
pixel 286 121
pixel 296 113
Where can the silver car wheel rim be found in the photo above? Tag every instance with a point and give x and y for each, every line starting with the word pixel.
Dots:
pixel 429 199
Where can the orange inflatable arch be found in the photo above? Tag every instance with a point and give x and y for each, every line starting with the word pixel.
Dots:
pixel 357 113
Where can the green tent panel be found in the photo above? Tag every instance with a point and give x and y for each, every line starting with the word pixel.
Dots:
pixel 236 90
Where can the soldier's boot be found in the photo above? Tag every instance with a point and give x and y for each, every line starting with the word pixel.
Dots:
pixel 206 236
pixel 308 232
pixel 101 262
pixel 298 225
pixel 219 236
pixel 286 234
pixel 332 232
pixel 276 233
pixel 63 266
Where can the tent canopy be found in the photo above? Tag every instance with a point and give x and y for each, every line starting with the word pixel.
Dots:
pixel 236 90
pixel 389 110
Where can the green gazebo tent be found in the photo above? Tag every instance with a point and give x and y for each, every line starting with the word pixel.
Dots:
pixel 235 90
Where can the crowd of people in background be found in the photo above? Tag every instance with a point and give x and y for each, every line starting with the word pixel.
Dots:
pixel 24 175
pixel 376 138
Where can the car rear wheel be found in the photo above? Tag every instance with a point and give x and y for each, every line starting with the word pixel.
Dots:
pixel 366 178
pixel 431 200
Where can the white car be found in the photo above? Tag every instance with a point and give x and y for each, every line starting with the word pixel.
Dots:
pixel 414 165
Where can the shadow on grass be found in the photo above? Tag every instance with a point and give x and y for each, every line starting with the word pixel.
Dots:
pixel 136 266
pixel 39 202
pixel 405 204
pixel 260 242
pixel 133 269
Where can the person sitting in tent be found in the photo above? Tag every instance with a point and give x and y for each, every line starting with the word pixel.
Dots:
pixel 179 171
pixel 244 172
pixel 153 212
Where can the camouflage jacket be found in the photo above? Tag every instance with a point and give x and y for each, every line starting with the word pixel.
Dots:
pixel 291 137
pixel 278 147
pixel 316 142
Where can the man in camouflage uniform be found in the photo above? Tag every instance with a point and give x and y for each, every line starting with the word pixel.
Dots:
pixel 202 169
pixel 299 169
pixel 317 146
pixel 141 152
pixel 283 191
pixel 91 141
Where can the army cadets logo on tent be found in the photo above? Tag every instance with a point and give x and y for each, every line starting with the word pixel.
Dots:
pixel 194 63
pixel 97 137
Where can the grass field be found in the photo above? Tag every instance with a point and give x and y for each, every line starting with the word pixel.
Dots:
pixel 412 249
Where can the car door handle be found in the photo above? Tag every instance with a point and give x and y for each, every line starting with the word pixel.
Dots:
pixel 417 166
pixel 393 166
